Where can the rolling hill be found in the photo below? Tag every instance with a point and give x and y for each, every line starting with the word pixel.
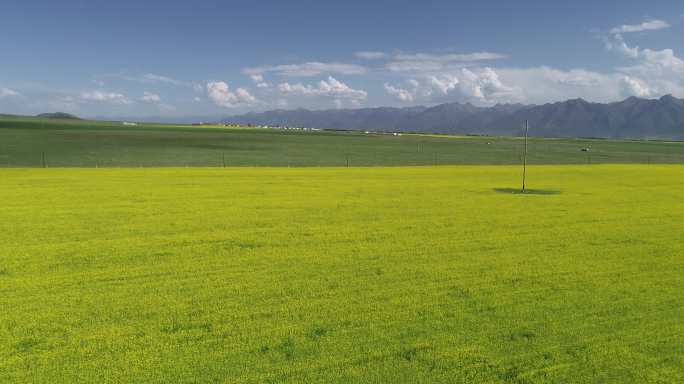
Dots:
pixel 58 115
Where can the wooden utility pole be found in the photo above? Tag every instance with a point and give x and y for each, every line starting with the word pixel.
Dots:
pixel 527 128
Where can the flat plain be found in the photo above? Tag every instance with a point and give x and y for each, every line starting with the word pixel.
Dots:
pixel 379 274
pixel 34 142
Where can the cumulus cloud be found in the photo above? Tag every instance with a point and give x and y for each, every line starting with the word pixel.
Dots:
pixel 444 78
pixel 648 25
pixel 401 94
pixel 617 44
pixel 370 55
pixel 308 69
pixel 105 97
pixel 635 87
pixel 259 81
pixel 443 83
pixel 654 63
pixel 7 92
pixel 543 84
pixel 329 88
pixel 652 72
pixel 149 97
pixel 476 85
pixel 486 86
pixel 220 93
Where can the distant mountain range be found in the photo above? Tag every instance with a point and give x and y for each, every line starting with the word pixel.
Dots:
pixel 631 118
pixel 58 115
pixel 160 119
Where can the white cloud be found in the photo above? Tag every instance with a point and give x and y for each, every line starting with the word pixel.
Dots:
pixel 423 62
pixel 444 83
pixel 149 97
pixel 197 99
pixel 105 97
pixel 370 55
pixel 308 69
pixel 655 63
pixel 576 78
pixel 543 84
pixel 414 66
pixel 219 92
pixel 340 89
pixel 329 88
pixel 153 78
pixel 653 72
pixel 259 81
pixel 617 44
pixel 244 96
pixel 7 92
pixel 401 94
pixel 648 25
pixel 147 78
pixel 452 57
pixel 476 85
pixel 485 86
pixel 635 87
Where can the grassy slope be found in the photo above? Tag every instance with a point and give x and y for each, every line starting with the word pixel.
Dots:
pixel 90 144
pixel 336 275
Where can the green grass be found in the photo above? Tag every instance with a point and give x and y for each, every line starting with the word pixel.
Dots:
pixel 24 141
pixel 405 275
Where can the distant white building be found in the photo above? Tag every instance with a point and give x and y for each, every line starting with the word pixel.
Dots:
pixel 128 123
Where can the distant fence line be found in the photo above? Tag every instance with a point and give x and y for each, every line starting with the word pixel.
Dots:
pixel 224 160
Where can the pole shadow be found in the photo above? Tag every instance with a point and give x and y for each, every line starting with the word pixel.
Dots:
pixel 528 191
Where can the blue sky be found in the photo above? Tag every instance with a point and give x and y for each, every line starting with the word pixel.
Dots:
pixel 218 58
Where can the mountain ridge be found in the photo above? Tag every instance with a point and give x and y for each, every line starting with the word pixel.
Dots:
pixel 634 117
